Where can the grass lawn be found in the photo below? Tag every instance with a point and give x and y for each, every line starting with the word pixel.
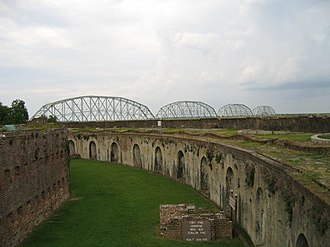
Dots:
pixel 325 137
pixel 114 205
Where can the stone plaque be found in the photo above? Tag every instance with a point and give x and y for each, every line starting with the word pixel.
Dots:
pixel 199 230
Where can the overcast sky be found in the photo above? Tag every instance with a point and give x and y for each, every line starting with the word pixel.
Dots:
pixel 256 52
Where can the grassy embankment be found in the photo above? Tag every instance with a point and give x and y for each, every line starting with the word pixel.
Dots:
pixel 114 205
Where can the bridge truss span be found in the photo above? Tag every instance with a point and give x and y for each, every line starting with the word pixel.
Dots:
pixel 95 108
pixel 235 110
pixel 186 109
pixel 263 111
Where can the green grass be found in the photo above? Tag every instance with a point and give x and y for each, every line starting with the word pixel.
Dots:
pixel 324 137
pixel 115 205
pixel 297 137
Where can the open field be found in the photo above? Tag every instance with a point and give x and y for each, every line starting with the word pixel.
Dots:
pixel 115 205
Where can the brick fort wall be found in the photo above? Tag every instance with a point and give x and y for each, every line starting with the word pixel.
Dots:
pixel 34 181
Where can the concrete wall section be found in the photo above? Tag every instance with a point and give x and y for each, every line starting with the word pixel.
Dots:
pixel 272 207
pixel 34 181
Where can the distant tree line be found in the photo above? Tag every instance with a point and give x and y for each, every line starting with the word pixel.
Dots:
pixel 50 119
pixel 15 114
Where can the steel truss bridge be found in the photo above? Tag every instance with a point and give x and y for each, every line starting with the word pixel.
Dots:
pixel 186 109
pixel 235 110
pixel 105 108
pixel 95 108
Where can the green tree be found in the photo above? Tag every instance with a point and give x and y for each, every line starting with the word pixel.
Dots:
pixel 4 112
pixel 52 119
pixel 18 113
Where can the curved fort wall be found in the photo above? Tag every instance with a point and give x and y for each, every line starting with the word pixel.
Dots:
pixel 34 181
pixel 272 207
pixel 314 124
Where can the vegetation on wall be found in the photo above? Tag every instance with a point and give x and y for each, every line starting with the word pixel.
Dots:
pixel 209 155
pixel 289 199
pixel 250 174
pixel 219 157
pixel 86 137
pixel 320 221
pixel 271 182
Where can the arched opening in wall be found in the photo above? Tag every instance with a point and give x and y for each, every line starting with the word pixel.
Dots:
pixel 158 160
pixel 204 175
pixel 137 162
pixel 260 216
pixel 114 153
pixel 92 151
pixel 181 165
pixel 229 180
pixel 229 187
pixel 302 241
pixel 71 148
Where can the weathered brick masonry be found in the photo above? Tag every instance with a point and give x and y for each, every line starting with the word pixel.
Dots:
pixel 34 180
pixel 173 217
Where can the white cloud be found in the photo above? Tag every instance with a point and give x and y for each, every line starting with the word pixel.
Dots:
pixel 198 41
pixel 162 51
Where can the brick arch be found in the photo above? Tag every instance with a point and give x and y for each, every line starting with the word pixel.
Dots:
pixel 260 215
pixel 114 153
pixel 301 241
pixel 137 161
pixel 181 166
pixel 158 164
pixel 92 150
pixel 72 147
pixel 229 187
pixel 229 179
pixel 204 174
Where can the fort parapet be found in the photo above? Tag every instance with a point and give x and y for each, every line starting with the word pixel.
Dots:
pixel 314 124
pixel 34 180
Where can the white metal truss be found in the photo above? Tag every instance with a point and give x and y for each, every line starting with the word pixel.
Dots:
pixel 264 111
pixel 186 109
pixel 235 110
pixel 95 108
